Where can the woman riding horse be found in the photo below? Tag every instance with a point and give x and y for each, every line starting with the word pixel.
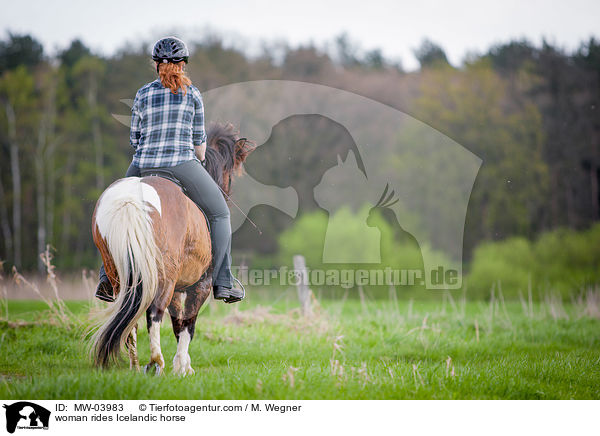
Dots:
pixel 168 136
pixel 155 244
pixel 154 241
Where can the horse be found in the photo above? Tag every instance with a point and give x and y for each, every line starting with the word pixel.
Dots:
pixel 156 248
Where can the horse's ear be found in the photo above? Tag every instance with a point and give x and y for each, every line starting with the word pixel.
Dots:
pixel 243 147
pixel 240 144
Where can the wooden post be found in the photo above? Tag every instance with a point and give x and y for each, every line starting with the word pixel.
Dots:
pixel 304 292
pixel 363 300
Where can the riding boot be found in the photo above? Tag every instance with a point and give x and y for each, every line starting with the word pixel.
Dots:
pixel 104 291
pixel 223 288
pixel 229 295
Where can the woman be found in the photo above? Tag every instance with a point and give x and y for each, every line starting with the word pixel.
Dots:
pixel 167 134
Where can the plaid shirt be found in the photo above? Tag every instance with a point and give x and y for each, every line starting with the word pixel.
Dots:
pixel 165 127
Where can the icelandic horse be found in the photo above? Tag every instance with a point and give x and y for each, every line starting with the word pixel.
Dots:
pixel 156 248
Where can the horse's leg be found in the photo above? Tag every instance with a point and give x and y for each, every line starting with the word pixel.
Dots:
pixel 153 319
pixel 184 311
pixel 134 362
pixel 154 316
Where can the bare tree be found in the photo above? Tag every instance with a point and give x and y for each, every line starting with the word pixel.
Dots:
pixel 96 134
pixel 4 221
pixel 45 127
pixel 16 178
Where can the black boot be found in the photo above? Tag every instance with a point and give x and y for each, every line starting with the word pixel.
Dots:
pixel 229 295
pixel 104 291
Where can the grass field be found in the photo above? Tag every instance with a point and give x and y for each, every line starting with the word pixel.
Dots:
pixel 352 349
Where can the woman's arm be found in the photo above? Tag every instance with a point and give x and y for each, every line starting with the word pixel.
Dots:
pixel 135 133
pixel 198 131
pixel 201 151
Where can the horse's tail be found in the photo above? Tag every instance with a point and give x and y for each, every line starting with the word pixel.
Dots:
pixel 124 222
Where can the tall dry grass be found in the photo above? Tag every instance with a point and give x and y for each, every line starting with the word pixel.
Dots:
pixel 59 313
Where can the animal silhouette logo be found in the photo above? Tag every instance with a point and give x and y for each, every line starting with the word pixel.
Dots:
pixel 400 240
pixel 342 190
pixel 431 174
pixel 26 415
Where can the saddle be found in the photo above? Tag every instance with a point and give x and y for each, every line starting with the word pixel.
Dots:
pixel 166 174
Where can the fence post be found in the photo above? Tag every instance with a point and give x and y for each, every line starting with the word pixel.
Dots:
pixel 304 292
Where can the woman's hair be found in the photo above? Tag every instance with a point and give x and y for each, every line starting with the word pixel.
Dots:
pixel 173 76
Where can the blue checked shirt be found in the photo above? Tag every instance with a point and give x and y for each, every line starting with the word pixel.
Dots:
pixel 165 127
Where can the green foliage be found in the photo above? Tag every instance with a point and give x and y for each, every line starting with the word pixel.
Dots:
pixel 398 249
pixel 475 107
pixel 429 54
pixel 306 237
pixel 509 262
pixel 562 260
pixel 20 50
pixel 70 56
pixel 567 259
pixel 511 56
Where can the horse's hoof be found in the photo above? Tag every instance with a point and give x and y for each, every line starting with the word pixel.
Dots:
pixel 153 369
pixel 183 371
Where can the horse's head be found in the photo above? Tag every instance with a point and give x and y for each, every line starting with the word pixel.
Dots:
pixel 225 153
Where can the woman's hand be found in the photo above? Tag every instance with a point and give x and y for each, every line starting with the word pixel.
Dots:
pixel 201 151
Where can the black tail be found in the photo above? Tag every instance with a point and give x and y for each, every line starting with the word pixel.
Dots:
pixel 108 343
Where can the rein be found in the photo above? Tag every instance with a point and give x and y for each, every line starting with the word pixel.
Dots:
pixel 235 204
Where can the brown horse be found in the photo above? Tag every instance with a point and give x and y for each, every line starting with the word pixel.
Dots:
pixel 156 248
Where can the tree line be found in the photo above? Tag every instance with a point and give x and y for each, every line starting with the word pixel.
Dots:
pixel 529 111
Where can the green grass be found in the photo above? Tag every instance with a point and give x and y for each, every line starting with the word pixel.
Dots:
pixel 265 350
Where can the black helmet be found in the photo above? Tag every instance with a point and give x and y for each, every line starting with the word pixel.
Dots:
pixel 170 49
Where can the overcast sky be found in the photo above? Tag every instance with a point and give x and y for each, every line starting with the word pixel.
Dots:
pixel 396 27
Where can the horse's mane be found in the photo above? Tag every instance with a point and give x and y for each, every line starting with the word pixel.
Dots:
pixel 225 152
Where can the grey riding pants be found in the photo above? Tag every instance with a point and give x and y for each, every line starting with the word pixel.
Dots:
pixel 204 191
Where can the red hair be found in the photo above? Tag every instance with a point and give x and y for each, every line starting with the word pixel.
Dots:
pixel 173 76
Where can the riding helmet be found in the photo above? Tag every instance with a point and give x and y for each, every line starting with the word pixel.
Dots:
pixel 170 49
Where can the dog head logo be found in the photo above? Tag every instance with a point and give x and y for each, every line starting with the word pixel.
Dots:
pixel 26 415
